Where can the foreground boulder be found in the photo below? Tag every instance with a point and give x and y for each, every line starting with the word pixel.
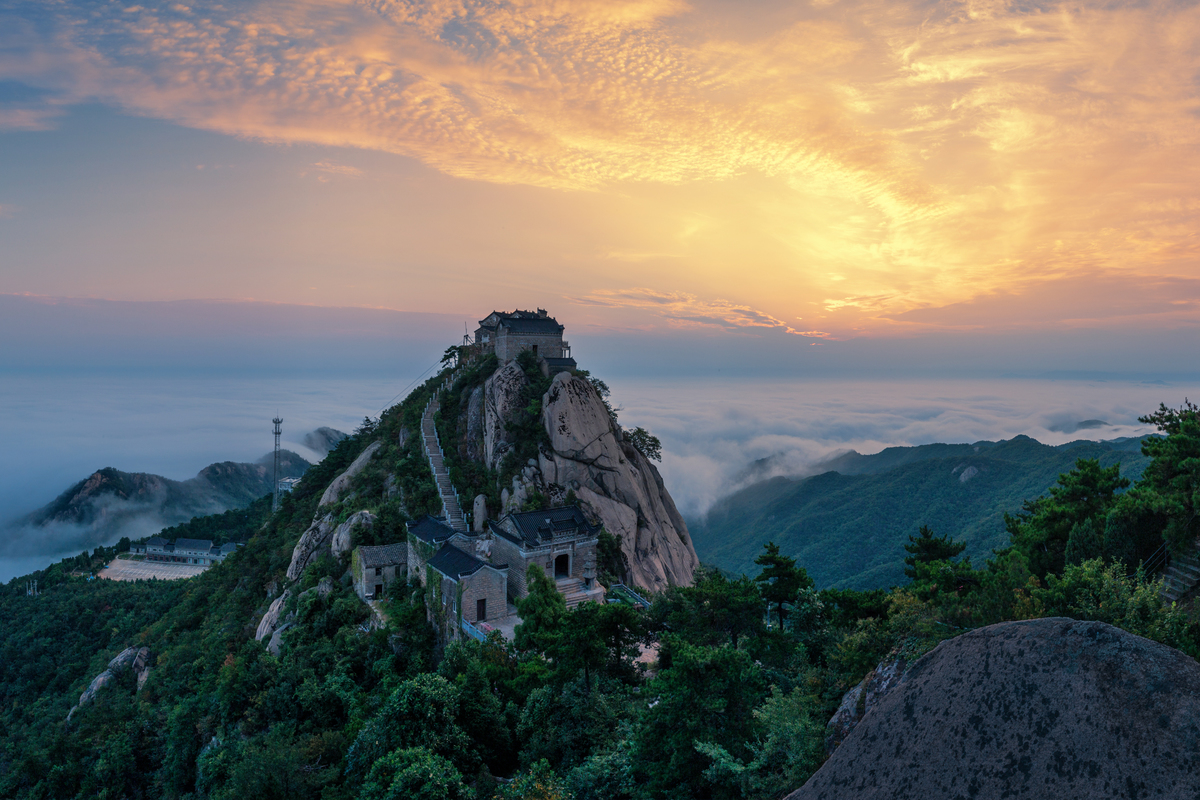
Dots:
pixel 1048 708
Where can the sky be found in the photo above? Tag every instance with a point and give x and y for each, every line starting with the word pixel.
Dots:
pixel 983 177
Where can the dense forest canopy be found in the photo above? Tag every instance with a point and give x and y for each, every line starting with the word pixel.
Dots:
pixel 746 669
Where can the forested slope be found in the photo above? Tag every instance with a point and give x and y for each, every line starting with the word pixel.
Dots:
pixel 747 671
pixel 848 526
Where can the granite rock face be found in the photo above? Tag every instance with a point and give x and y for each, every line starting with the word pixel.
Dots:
pixel 312 543
pixel 131 658
pixel 501 396
pixel 890 673
pixel 1048 708
pixel 270 620
pixel 475 425
pixel 615 483
pixel 334 491
pixel 343 537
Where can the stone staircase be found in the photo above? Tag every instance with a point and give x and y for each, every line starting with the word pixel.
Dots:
pixel 451 508
pixel 1181 577
pixel 573 591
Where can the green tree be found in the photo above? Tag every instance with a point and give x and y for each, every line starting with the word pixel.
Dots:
pixel 1096 591
pixel 423 712
pixel 1043 527
pixel 781 579
pixel 925 548
pixel 1171 483
pixel 542 610
pixel 790 748
pixel 413 773
pixel 704 695
pixel 713 610
pixel 599 639
pixel 539 783
pixel 645 443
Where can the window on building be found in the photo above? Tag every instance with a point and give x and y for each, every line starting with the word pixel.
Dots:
pixel 379 570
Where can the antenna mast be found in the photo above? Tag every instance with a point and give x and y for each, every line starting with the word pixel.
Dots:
pixel 278 430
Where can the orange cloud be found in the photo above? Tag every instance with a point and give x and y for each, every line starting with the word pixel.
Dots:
pixel 918 157
pixel 686 310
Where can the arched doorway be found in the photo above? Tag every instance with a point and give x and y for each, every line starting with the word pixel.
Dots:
pixel 562 566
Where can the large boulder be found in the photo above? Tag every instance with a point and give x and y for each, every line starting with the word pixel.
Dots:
pixel 1048 708
pixel 314 542
pixel 474 425
pixel 343 537
pixel 341 483
pixel 270 620
pixel 864 697
pixel 136 659
pixel 615 482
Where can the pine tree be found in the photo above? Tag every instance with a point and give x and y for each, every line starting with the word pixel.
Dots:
pixel 925 548
pixel 781 579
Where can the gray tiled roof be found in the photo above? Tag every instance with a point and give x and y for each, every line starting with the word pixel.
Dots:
pixel 430 529
pixel 453 563
pixel 547 325
pixel 193 544
pixel 535 528
pixel 383 555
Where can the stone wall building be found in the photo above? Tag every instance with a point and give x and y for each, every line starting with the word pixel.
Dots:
pixel 508 333
pixel 470 589
pixel 560 540
pixel 472 577
pixel 375 569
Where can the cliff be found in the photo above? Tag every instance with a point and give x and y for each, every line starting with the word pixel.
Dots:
pixel 581 450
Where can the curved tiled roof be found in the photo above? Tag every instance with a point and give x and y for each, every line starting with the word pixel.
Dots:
pixel 430 529
pixel 453 563
pixel 383 555
pixel 535 528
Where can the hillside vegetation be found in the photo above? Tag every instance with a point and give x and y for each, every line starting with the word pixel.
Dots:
pixel 748 670
pixel 849 525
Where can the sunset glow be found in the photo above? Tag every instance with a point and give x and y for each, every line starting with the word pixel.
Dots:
pixel 830 171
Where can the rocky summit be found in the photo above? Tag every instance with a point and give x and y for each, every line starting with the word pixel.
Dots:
pixel 1047 708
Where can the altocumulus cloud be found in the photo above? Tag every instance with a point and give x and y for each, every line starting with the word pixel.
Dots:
pixel 934 154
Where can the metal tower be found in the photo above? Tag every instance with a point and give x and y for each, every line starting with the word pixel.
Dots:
pixel 278 430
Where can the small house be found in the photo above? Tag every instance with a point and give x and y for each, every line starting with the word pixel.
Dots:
pixel 375 569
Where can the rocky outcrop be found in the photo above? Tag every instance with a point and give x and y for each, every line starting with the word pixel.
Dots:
pixel 312 544
pixel 131 658
pixel 479 513
pixel 616 483
pixel 1038 708
pixel 502 396
pixel 587 455
pixel 474 425
pixel 857 702
pixel 270 620
pixel 341 483
pixel 343 539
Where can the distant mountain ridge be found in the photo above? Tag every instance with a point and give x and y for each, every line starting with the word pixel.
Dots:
pixel 111 503
pixel 848 525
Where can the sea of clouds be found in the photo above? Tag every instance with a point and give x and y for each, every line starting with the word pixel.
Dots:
pixel 717 436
